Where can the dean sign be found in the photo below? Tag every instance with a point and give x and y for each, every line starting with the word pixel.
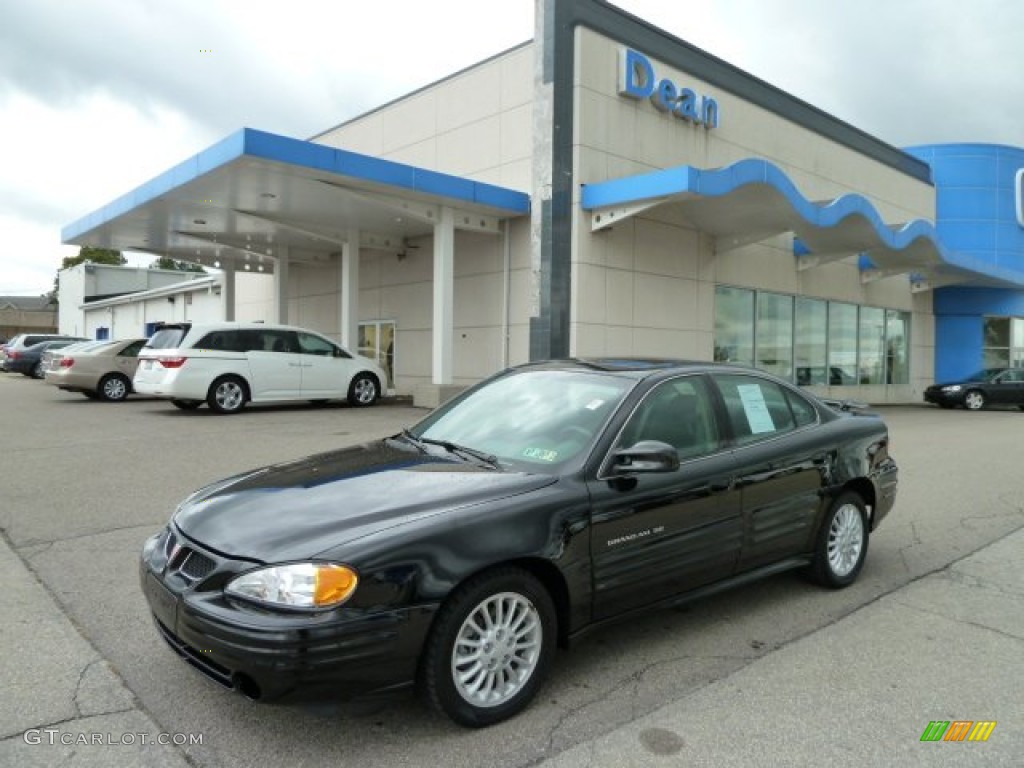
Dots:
pixel 638 81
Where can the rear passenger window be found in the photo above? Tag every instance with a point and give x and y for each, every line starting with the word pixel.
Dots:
pixel 758 409
pixel 803 411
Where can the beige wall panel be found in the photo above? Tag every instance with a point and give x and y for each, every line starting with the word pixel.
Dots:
pixel 468 97
pixel 470 148
pixel 662 249
pixel 519 296
pixel 518 344
pixel 663 302
pixel 517 77
pixel 409 121
pixel 516 130
pixel 478 301
pixel 477 354
pixel 516 174
pixel 589 293
pixel 410 305
pixel 477 253
pixel 619 304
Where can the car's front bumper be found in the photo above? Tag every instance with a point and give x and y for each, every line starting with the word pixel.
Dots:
pixel 939 397
pixel 267 654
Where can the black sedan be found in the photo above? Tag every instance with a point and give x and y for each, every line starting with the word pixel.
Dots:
pixel 990 386
pixel 536 506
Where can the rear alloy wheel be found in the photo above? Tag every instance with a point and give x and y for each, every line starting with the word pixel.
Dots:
pixel 37 370
pixel 974 400
pixel 490 648
pixel 186 405
pixel 227 395
pixel 842 543
pixel 364 390
pixel 114 387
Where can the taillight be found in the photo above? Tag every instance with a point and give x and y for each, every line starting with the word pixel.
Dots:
pixel 67 362
pixel 172 362
pixel 12 355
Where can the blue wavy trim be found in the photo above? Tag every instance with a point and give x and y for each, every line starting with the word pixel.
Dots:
pixel 720 182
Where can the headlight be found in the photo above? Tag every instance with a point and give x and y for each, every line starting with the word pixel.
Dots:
pixel 298 585
pixel 954 388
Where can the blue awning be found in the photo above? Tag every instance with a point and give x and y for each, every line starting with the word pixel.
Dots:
pixel 254 192
pixel 753 199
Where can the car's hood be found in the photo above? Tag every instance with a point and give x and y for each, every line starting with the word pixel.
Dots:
pixel 297 510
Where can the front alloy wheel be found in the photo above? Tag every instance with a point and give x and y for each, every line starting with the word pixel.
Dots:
pixel 490 648
pixel 842 543
pixel 363 390
pixel 974 400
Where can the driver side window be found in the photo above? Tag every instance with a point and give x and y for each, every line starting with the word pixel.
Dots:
pixel 678 412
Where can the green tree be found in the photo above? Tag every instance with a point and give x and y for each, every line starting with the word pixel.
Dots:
pixel 166 262
pixel 87 253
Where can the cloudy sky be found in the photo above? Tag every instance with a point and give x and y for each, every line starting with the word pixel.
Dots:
pixel 98 96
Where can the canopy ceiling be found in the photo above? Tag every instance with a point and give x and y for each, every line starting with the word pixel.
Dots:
pixel 250 196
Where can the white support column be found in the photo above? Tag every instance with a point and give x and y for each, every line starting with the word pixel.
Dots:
pixel 228 299
pixel 444 294
pixel 281 284
pixel 348 291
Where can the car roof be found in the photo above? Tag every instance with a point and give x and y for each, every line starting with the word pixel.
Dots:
pixel 636 367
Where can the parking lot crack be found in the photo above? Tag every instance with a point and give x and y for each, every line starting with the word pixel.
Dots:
pixel 29 543
pixel 958 620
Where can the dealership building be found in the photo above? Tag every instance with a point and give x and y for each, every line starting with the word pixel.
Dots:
pixel 606 189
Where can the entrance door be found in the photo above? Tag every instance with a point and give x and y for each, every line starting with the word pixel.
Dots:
pixel 377 342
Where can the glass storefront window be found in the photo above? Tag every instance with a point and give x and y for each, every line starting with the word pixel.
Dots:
pixel 897 347
pixel 842 344
pixel 775 334
pixel 1004 342
pixel 734 325
pixel 1017 342
pixel 811 342
pixel 871 359
pixel 815 342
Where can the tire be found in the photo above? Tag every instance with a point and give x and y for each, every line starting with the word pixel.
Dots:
pixel 228 394
pixel 518 647
pixel 114 387
pixel 186 405
pixel 974 400
pixel 842 543
pixel 364 390
pixel 37 370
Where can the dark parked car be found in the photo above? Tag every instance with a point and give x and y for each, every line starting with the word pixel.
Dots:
pixel 536 506
pixel 24 340
pixel 29 360
pixel 990 386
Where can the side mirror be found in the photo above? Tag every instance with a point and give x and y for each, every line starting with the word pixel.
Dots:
pixel 646 456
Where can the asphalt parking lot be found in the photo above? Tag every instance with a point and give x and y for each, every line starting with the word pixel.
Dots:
pixel 84 483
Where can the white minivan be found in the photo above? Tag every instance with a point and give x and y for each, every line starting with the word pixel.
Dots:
pixel 227 365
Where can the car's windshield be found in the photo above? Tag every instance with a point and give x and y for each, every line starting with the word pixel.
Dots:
pixel 985 374
pixel 537 420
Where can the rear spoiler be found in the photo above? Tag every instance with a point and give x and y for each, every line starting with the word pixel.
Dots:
pixel 845 405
